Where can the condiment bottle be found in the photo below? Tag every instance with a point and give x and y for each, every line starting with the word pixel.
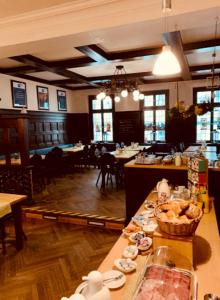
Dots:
pixel 178 159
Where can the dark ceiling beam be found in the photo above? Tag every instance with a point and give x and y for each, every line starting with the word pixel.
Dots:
pixel 43 65
pixel 94 52
pixel 198 46
pixel 133 54
pixel 204 67
pixel 63 81
pixel 203 76
pixel 19 70
pixel 161 80
pixel 73 63
pixel 174 40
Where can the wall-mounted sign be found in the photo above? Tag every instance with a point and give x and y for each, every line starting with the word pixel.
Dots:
pixel 43 97
pixel 61 100
pixel 19 96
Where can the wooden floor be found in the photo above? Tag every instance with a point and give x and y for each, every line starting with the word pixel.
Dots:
pixel 77 192
pixel 55 257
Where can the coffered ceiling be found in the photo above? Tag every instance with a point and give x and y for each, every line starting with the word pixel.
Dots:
pixel 79 43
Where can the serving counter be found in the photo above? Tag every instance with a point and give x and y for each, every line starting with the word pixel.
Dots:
pixel 141 179
pixel 206 259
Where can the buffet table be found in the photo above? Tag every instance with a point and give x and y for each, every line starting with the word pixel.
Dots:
pixel 206 259
pixel 15 201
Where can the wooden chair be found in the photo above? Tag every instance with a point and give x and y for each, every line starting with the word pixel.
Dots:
pixel 108 167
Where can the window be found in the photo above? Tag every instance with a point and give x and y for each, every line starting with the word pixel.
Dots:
pixel 154 108
pixel 101 112
pixel 208 125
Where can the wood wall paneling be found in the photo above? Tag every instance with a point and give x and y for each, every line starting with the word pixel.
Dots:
pixel 128 127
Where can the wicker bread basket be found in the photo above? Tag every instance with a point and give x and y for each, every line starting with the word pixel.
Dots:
pixel 177 229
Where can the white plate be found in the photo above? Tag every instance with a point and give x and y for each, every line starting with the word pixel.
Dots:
pixel 116 283
pixel 130 252
pixel 125 265
pixel 111 284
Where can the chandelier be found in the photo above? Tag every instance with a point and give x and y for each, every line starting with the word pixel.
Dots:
pixel 119 86
pixel 213 81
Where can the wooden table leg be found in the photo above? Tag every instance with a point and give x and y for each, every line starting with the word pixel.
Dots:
pixel 16 210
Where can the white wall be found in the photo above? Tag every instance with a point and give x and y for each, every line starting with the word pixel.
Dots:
pixel 77 101
pixel 80 98
pixel 32 104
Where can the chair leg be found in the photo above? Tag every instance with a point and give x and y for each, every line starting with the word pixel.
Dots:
pixel 98 178
pixel 3 238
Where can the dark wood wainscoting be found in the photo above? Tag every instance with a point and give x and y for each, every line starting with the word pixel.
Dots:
pixel 128 127
pixel 46 129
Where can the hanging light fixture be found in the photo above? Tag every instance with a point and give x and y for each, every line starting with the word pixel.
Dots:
pixel 166 63
pixel 120 86
pixel 213 81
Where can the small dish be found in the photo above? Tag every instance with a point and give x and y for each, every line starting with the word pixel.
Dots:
pixel 150 227
pixel 134 237
pixel 130 252
pixel 114 279
pixel 144 243
pixel 131 228
pixel 126 265
pixel 140 220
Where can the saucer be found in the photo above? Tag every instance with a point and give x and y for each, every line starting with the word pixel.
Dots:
pixel 116 283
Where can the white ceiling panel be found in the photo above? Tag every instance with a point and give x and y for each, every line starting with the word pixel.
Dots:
pixel 144 65
pixel 47 75
pixel 202 58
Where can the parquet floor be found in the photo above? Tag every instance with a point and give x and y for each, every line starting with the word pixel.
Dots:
pixel 55 257
pixel 78 192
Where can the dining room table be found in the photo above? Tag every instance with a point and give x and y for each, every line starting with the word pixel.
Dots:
pixel 12 204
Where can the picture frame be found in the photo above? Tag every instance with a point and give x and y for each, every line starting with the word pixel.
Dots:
pixel 42 97
pixel 19 94
pixel 61 100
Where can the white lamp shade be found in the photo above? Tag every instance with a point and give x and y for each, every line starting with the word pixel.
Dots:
pixel 136 93
pixel 136 97
pixel 108 98
pixel 101 96
pixel 124 93
pixel 166 63
pixel 117 99
pixel 141 96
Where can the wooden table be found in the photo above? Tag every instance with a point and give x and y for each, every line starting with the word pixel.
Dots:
pixel 124 155
pixel 196 148
pixel 15 201
pixel 206 259
pixel 138 148
pixel 73 149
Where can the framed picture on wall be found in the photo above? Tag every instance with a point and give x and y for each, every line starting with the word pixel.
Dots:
pixel 19 95
pixel 43 97
pixel 61 100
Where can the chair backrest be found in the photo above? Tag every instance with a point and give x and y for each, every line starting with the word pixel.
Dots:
pixel 106 160
pixel 36 160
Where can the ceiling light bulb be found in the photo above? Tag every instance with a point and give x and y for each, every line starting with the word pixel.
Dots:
pixel 124 93
pixel 101 96
pixel 136 97
pixel 117 99
pixel 141 96
pixel 136 93
pixel 166 63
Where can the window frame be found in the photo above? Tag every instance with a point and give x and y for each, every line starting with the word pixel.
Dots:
pixel 102 111
pixel 204 89
pixel 155 108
